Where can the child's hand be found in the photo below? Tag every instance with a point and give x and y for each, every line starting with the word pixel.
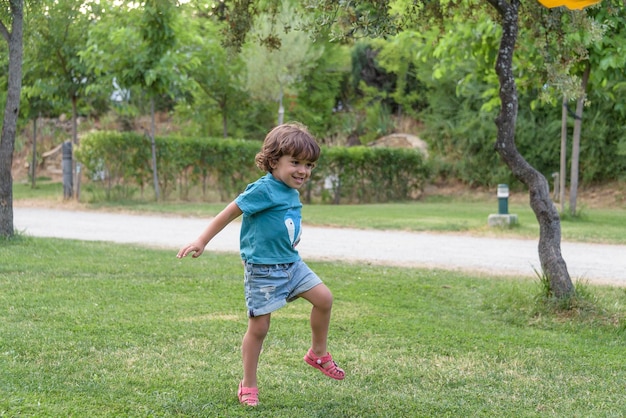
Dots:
pixel 194 248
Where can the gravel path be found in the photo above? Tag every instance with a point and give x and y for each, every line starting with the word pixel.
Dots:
pixel 594 263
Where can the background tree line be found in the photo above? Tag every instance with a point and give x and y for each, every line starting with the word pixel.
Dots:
pixel 90 59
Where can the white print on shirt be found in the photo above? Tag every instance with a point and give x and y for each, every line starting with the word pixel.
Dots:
pixel 293 228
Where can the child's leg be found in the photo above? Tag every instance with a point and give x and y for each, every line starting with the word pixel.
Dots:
pixel 322 301
pixel 318 356
pixel 251 348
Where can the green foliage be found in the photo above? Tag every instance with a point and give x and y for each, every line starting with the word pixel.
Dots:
pixel 397 57
pixel 457 90
pixel 599 150
pixel 371 174
pixel 456 69
pixel 438 72
pixel 378 122
pixel 319 91
pixel 365 174
pixel 461 91
pixel 137 47
pixel 216 82
pixel 54 74
pixel 278 58
pixel 538 135
pixel 370 79
pixel 124 159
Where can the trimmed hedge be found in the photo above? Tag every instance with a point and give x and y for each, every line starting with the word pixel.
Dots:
pixel 124 159
pixel 367 175
pixel 343 175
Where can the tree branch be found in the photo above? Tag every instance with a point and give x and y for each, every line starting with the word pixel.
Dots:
pixel 5 32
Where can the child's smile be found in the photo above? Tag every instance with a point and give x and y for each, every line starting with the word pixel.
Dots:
pixel 292 171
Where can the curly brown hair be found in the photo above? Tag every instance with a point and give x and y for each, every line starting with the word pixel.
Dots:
pixel 291 139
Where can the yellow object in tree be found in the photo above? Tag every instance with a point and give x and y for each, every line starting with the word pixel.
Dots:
pixel 570 4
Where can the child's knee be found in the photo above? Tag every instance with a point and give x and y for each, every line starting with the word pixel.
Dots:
pixel 258 327
pixel 325 302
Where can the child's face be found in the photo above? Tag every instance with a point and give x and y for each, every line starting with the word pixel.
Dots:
pixel 291 171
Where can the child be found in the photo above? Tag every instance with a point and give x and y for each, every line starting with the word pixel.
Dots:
pixel 274 273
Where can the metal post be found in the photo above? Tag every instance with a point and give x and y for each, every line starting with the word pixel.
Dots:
pixel 67 170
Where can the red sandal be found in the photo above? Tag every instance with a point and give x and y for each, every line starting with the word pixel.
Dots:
pixel 331 370
pixel 252 394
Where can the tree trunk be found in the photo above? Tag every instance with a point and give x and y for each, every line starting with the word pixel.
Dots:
pixel 155 176
pixel 281 109
pixel 76 164
pixel 11 113
pixel 223 107
pixel 563 162
pixel 578 121
pixel 33 169
pixel 552 263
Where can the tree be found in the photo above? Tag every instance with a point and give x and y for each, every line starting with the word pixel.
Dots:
pixel 566 38
pixel 53 66
pixel 604 55
pixel 14 39
pixel 274 67
pixel 135 47
pixel 158 35
pixel 578 121
pixel 402 14
pixel 321 92
pixel 216 73
pixel 397 56
pixel 551 259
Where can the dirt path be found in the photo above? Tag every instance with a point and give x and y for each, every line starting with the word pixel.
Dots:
pixel 595 263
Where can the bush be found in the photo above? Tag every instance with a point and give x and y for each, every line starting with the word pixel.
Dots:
pixel 122 160
pixel 365 174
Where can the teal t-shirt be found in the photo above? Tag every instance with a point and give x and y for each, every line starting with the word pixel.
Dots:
pixel 271 225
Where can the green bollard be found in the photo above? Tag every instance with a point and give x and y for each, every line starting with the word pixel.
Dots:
pixel 502 218
pixel 503 199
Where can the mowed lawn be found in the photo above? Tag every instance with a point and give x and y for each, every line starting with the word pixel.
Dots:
pixel 91 329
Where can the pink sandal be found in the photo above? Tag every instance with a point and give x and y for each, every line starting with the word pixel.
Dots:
pixel 331 370
pixel 251 393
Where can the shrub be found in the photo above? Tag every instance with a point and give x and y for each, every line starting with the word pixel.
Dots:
pixel 356 175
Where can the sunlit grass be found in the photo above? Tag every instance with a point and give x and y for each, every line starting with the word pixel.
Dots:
pixel 96 329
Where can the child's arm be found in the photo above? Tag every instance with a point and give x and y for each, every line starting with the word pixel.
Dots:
pixel 226 216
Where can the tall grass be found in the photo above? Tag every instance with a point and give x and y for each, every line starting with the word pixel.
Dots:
pixel 102 330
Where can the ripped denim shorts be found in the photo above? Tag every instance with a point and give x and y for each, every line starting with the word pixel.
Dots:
pixel 270 287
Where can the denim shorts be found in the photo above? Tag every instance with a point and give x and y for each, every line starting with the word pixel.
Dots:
pixel 270 287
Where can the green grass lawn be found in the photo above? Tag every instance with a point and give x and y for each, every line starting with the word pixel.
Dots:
pixel 44 189
pixel 92 329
